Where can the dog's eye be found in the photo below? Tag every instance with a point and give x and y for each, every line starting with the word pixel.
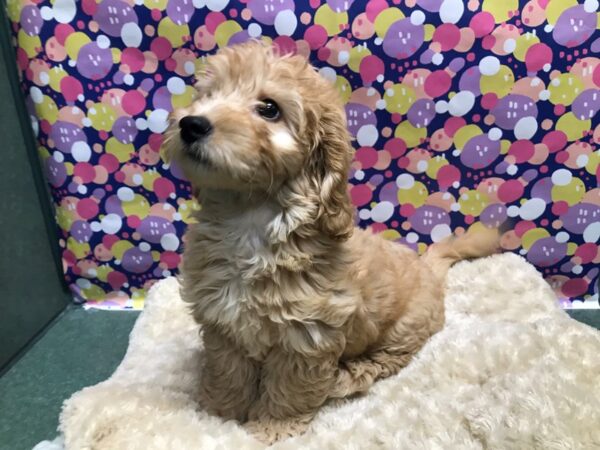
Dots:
pixel 268 109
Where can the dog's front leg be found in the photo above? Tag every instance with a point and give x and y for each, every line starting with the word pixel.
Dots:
pixel 229 383
pixel 292 388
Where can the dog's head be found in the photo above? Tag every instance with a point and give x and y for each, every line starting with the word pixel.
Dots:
pixel 270 124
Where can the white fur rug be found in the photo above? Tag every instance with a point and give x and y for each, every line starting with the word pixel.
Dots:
pixel 509 371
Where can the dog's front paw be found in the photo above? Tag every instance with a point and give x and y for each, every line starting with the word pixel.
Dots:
pixel 270 431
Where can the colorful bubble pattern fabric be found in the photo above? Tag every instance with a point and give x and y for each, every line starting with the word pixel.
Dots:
pixel 464 113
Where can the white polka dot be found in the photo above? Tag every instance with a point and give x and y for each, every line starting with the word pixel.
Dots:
pixel 382 212
pixel 44 78
pixel 590 6
pixel 125 194
pixel 166 273
pixel 561 177
pixel 157 120
pixel 95 226
pixel 64 10
pixel 103 41
pixel 83 283
pixel 437 59
pixel 440 232
pixel 532 209
pixel 555 82
pixel 489 65
pixel 131 34
pixel 82 189
pixel 216 5
pixel 177 216
pixel 199 4
pixel 81 151
pixel 189 67
pixel 47 13
pixel 544 95
pixel 455 207
pixel 461 103
pixel 111 224
pixel 582 160
pixel 562 236
pixel 548 28
pixel 380 78
pixel 547 67
pixel 137 179
pixel 254 30
pixel 512 169
pixel 417 17
pixel 72 63
pixel 175 86
pixel 378 41
pixel 169 242
pixel 405 181
pixel 422 166
pixel 451 11
pixel 34 125
pixel 441 107
pixel 412 237
pixel 36 95
pixel 591 234
pixel 512 211
pixel 522 252
pixel 367 135
pixel 328 73
pixel 140 124
pixel 526 127
pixel 286 22
pixel 359 175
pixel 577 270
pixel 509 45
pixel 58 156
pixel 380 104
pixel 128 79
pixel 495 134
pixel 343 57
pixel 144 246
pixel 80 97
pixel 364 214
pixel 535 82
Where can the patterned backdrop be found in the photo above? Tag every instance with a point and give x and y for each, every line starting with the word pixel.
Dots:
pixel 464 113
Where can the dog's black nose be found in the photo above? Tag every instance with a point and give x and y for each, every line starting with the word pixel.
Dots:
pixel 194 128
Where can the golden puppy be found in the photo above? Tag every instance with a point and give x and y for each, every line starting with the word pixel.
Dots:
pixel 296 304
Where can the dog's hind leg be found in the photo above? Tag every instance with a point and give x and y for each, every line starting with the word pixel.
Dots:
pixel 395 349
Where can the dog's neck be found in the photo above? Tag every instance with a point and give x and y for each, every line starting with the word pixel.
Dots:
pixel 287 231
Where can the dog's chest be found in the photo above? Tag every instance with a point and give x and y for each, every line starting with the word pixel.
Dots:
pixel 230 286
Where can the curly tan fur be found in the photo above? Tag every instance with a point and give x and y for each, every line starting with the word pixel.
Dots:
pixel 297 305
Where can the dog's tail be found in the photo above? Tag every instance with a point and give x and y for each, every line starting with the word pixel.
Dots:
pixel 472 244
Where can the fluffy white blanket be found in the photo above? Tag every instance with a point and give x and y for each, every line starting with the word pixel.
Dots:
pixel 510 370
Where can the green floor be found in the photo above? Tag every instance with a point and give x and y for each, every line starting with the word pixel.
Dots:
pixel 79 349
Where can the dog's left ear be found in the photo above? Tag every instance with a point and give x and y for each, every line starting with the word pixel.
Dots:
pixel 328 168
